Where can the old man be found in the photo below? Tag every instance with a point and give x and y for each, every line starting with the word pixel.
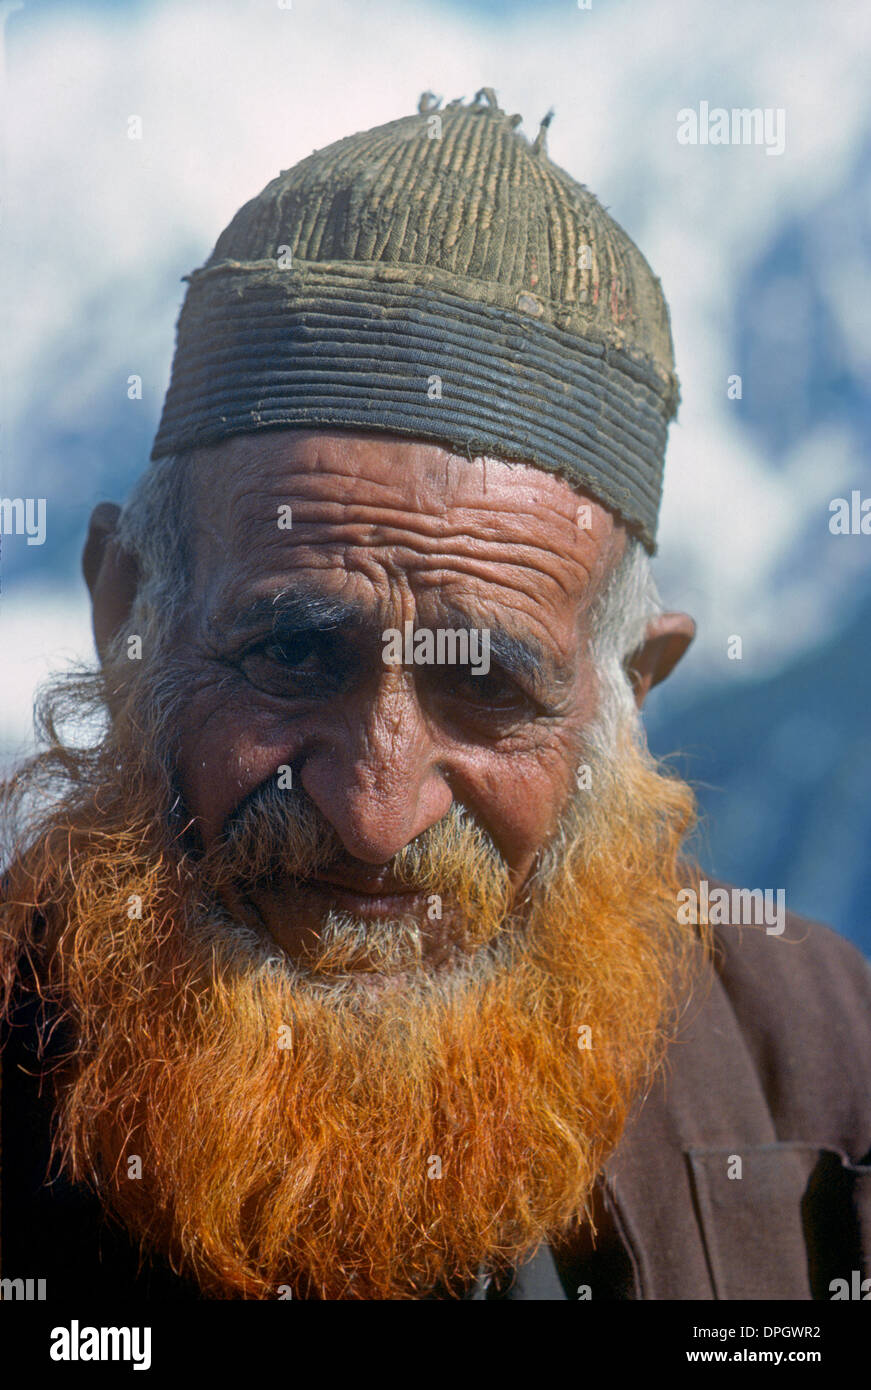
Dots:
pixel 351 958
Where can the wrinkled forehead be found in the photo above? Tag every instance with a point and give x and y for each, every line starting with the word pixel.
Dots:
pixel 361 510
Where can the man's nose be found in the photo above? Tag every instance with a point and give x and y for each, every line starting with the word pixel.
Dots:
pixel 379 783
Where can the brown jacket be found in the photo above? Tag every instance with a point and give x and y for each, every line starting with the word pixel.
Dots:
pixel 772 1068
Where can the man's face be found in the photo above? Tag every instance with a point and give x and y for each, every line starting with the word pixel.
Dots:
pixel 368 1114
pixel 284 648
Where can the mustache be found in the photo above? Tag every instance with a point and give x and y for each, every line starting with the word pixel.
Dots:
pixel 280 833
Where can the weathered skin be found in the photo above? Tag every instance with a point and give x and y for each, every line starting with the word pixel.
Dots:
pixel 400 530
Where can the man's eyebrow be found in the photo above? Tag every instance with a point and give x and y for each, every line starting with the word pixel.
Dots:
pixel 311 610
pixel 291 610
pixel 521 657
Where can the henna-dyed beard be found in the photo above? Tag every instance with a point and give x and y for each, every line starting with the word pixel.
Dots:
pixel 297 1129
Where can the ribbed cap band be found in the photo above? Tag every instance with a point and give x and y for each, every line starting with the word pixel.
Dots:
pixel 437 277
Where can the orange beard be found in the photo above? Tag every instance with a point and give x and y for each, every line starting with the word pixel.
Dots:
pixel 344 1142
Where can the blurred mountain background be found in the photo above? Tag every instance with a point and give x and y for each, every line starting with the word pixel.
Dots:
pixel 765 260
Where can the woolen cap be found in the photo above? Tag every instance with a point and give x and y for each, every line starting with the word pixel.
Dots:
pixel 438 277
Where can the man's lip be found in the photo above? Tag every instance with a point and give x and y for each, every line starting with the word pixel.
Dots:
pixel 377 885
pixel 365 902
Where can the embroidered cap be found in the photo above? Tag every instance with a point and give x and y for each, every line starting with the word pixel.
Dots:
pixel 437 277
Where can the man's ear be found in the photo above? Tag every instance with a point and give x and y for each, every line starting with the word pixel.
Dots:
pixel 110 573
pixel 665 641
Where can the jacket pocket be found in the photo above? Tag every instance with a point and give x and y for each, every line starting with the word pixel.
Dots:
pixel 781 1220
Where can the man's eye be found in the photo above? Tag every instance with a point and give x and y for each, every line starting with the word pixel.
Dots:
pixel 494 691
pixel 294 666
pixel 297 652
